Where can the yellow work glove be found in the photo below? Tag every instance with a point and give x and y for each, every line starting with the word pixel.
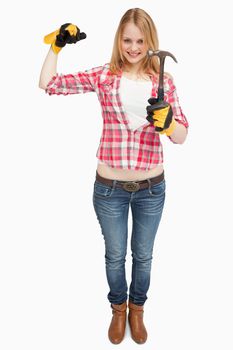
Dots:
pixel 67 34
pixel 160 115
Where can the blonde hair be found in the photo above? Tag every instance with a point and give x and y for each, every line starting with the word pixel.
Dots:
pixel 146 25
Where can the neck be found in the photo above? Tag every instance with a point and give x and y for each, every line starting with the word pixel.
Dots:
pixel 133 69
pixel 134 74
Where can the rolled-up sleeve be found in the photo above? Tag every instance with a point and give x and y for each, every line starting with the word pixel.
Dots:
pixel 77 83
pixel 172 98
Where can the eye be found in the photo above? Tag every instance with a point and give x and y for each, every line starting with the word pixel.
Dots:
pixel 126 40
pixel 140 41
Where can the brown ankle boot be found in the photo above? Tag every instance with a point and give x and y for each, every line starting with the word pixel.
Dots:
pixel 116 330
pixel 137 327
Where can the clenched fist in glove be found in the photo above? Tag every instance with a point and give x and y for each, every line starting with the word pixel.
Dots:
pixel 67 34
pixel 161 116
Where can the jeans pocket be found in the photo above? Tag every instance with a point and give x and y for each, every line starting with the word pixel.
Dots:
pixel 158 189
pixel 102 190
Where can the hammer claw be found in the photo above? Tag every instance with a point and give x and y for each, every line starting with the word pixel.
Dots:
pixel 161 54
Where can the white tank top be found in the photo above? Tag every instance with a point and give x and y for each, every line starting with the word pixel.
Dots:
pixel 134 95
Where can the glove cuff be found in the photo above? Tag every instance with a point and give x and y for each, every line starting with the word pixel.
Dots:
pixel 55 48
pixel 171 128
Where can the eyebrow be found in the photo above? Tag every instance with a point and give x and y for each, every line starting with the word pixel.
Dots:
pixel 126 37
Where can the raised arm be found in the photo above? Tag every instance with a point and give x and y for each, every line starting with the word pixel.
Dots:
pixel 67 34
pixel 49 69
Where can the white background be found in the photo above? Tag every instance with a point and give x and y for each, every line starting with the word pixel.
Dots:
pixel 52 275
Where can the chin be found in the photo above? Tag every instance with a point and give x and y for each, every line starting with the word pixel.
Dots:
pixel 134 60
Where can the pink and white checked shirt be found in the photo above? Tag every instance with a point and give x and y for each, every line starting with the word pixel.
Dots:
pixel 120 146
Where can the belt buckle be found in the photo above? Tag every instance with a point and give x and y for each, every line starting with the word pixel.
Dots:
pixel 131 186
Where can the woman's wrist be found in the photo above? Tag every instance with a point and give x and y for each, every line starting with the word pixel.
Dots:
pixel 179 133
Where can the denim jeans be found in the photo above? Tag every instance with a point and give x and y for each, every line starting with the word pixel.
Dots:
pixel 111 205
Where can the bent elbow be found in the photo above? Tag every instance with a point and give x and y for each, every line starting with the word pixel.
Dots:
pixel 42 86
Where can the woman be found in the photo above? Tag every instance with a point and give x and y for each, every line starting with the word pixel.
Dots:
pixel 130 158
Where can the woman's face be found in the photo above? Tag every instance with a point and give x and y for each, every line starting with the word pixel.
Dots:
pixel 133 44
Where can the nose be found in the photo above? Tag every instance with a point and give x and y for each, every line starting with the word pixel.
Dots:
pixel 134 47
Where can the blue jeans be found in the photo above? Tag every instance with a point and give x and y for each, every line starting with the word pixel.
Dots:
pixel 111 205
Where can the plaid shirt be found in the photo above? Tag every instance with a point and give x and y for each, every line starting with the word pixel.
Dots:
pixel 120 146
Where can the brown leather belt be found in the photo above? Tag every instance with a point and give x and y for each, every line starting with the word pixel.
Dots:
pixel 131 186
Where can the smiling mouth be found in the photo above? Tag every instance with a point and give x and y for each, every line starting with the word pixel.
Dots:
pixel 133 54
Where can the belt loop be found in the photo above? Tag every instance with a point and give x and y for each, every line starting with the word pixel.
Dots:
pixel 149 183
pixel 114 184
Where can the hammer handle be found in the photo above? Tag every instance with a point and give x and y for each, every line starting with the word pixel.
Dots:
pixel 161 74
pixel 160 94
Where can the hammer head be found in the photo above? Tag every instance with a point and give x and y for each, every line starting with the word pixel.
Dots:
pixel 161 54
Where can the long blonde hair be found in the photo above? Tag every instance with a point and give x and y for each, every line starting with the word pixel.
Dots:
pixel 146 25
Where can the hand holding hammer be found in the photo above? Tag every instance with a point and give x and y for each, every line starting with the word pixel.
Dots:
pixel 160 112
